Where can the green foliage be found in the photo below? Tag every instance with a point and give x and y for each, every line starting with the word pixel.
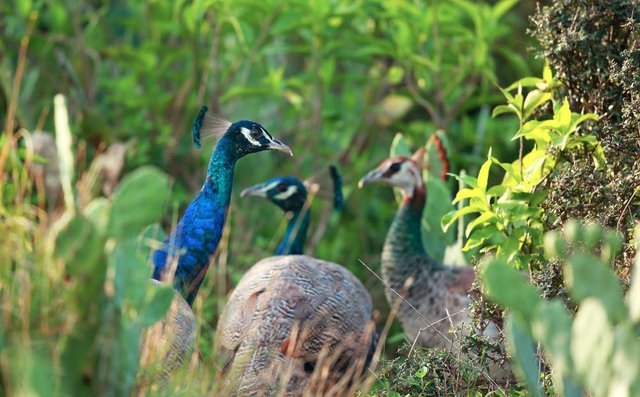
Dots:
pixel 581 40
pixel 595 350
pixel 338 77
pixel 107 300
pixel 510 220
pixel 141 210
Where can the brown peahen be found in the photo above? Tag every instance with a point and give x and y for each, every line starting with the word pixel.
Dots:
pixel 296 324
pixel 184 257
pixel 435 295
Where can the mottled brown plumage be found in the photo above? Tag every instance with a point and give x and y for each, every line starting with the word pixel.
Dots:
pixel 288 317
pixel 170 342
pixel 435 295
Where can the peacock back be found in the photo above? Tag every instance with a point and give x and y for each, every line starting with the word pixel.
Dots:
pixel 295 323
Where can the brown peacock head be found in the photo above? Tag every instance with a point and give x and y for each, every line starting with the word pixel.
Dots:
pixel 402 172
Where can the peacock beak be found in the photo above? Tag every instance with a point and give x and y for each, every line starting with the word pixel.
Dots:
pixel 255 190
pixel 279 146
pixel 370 177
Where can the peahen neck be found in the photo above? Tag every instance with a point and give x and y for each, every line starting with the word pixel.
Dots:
pixel 293 241
pixel 198 233
pixel 403 247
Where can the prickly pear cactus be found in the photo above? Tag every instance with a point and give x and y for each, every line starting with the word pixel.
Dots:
pixel 595 350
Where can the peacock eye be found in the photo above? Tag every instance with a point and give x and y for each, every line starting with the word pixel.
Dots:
pixel 256 134
pixel 282 187
pixel 395 167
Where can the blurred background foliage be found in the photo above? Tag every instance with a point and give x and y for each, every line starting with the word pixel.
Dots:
pixel 335 79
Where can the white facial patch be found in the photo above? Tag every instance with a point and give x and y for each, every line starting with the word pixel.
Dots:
pixel 263 190
pixel 287 193
pixel 247 134
pixel 407 178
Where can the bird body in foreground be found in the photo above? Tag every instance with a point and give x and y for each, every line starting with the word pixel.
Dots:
pixel 196 237
pixel 290 318
pixel 435 296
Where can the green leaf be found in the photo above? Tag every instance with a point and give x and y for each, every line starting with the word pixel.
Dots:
pixel 564 116
pixel 438 205
pixel 399 146
pixel 633 296
pixel 581 119
pixel 523 353
pixel 496 191
pixel 483 174
pixel 625 364
pixel 24 7
pixel 138 202
pixel 79 245
pixel 534 100
pixel 449 218
pixel 467 193
pixel 483 220
pixel 588 277
pixel 467 180
pixel 421 373
pixel 158 303
pixel 395 74
pixel 131 274
pixel 508 287
pixel 97 211
pixel 551 325
pixel 480 236
pixel 592 342
pixel 525 82
pixel 501 109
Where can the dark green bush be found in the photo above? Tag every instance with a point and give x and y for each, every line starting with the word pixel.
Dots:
pixel 594 47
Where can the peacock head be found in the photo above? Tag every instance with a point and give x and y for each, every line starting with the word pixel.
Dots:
pixel 402 172
pixel 250 137
pixel 243 137
pixel 287 192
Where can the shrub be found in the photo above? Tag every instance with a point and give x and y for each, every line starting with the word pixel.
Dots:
pixel 597 350
pixel 594 48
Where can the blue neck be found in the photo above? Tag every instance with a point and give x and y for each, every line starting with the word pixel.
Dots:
pixel 198 233
pixel 296 233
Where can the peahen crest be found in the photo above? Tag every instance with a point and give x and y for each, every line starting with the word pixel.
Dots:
pixel 208 125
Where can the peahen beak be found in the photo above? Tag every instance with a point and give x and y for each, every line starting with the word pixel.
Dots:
pixel 370 177
pixel 279 146
pixel 255 190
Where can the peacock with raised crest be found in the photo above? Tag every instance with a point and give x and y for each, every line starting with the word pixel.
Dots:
pixel 290 194
pixel 435 295
pixel 185 256
pixel 296 324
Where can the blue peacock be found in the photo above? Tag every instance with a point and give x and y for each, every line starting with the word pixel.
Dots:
pixel 290 194
pixel 435 295
pixel 295 324
pixel 185 255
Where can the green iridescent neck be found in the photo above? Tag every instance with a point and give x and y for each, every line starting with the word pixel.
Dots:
pixel 294 237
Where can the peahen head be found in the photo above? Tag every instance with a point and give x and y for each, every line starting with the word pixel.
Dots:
pixel 240 138
pixel 402 172
pixel 287 192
